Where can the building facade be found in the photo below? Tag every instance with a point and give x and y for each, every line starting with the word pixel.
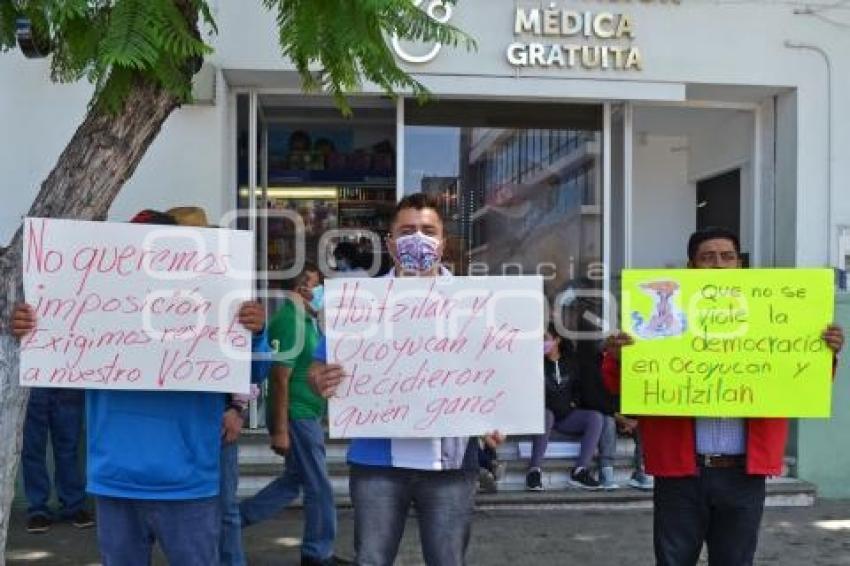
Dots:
pixel 579 138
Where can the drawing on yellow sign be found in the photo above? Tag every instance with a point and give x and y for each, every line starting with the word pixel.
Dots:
pixel 666 319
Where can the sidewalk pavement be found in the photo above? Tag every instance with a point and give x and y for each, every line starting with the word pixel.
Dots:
pixel 818 535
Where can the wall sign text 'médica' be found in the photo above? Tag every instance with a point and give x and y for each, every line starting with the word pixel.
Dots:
pixel 590 40
pixel 581 28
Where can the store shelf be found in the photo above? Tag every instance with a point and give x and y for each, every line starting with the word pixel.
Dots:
pixel 366 203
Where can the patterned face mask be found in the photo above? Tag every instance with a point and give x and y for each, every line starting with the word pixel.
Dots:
pixel 417 252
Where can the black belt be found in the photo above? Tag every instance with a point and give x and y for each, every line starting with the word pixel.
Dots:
pixel 721 461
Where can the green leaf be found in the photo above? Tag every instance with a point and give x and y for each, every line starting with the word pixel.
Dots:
pixel 172 33
pixel 172 77
pixel 8 15
pixel 206 15
pixel 61 11
pixel 113 91
pixel 73 57
pixel 129 41
pixel 336 43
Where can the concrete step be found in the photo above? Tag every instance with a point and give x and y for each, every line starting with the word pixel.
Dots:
pixel 254 477
pixel 254 451
pixel 259 466
pixel 781 492
pixel 555 470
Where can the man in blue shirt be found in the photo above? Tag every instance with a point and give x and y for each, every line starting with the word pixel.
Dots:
pixel 388 475
pixel 154 458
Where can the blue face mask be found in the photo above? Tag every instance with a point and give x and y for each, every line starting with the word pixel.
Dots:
pixel 318 300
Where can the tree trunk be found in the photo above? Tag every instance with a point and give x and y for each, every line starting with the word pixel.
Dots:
pixel 101 156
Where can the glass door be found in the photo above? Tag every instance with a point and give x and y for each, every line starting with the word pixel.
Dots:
pixel 317 188
pixel 328 181
pixel 522 190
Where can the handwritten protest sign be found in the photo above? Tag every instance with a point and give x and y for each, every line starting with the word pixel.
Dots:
pixel 727 342
pixel 131 306
pixel 430 357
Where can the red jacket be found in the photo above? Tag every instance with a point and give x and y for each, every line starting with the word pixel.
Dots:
pixel 669 443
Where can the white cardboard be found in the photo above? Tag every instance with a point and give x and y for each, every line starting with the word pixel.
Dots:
pixel 136 306
pixel 479 367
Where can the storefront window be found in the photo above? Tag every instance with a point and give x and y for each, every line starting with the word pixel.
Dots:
pixel 322 172
pixel 521 186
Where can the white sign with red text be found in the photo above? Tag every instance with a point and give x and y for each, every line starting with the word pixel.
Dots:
pixel 136 306
pixel 436 357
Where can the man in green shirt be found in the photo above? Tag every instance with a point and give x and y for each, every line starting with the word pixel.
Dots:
pixel 294 419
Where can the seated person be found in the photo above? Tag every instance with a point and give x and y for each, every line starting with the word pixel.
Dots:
pixel 593 395
pixel 563 416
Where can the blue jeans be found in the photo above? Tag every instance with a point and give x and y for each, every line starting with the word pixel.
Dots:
pixel 382 497
pixel 637 457
pixel 230 549
pixel 304 469
pixel 608 442
pixel 58 412
pixel 187 531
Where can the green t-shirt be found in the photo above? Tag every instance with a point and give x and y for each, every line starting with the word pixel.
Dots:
pixel 286 329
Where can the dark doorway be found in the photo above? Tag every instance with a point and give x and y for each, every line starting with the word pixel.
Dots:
pixel 719 204
pixel 719 201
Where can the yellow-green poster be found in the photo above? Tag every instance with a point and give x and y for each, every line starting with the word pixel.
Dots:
pixel 727 342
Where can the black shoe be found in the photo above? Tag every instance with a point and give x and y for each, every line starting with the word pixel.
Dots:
pixel 332 561
pixel 82 519
pixel 533 480
pixel 38 524
pixel 581 478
